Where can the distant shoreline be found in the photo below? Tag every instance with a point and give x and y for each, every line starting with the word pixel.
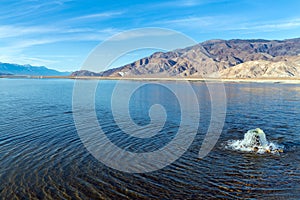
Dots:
pixel 233 80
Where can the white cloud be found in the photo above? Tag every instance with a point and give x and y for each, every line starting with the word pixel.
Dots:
pixel 24 37
pixel 190 3
pixel 200 24
pixel 21 44
pixel 191 21
pixel 182 3
pixel 22 59
pixel 229 23
pixel 30 8
pixel 142 32
pixel 9 31
pixel 102 15
pixel 272 26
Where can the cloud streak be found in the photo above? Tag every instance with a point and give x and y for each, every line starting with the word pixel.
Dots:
pixel 193 22
pixel 9 31
pixel 18 37
pixel 272 26
pixel 98 16
pixel 184 3
pixel 29 9
pixel 22 59
pixel 229 23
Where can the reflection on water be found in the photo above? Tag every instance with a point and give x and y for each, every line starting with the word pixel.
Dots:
pixel 41 155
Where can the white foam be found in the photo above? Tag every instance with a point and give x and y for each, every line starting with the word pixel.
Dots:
pixel 255 141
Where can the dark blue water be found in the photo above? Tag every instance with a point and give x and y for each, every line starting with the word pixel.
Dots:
pixel 42 156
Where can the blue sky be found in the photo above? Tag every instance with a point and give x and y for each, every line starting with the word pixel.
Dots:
pixel 60 34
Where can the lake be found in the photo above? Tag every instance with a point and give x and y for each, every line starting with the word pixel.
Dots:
pixel 43 155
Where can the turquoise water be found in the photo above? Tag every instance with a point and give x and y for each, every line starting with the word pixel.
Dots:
pixel 42 156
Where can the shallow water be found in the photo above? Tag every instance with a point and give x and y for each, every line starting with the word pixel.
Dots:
pixel 42 156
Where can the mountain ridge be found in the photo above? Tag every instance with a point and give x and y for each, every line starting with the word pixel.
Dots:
pixel 16 69
pixel 208 58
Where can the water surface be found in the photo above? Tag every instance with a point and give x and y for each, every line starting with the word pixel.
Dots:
pixel 42 156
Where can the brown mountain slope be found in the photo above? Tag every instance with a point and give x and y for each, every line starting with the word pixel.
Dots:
pixel 208 57
pixel 287 67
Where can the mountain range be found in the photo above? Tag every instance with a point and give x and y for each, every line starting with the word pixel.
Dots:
pixel 15 69
pixel 217 58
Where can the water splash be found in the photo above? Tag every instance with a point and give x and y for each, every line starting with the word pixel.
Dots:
pixel 255 141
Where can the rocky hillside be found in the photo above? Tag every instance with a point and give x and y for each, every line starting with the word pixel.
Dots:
pixel 287 67
pixel 232 58
pixel 85 73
